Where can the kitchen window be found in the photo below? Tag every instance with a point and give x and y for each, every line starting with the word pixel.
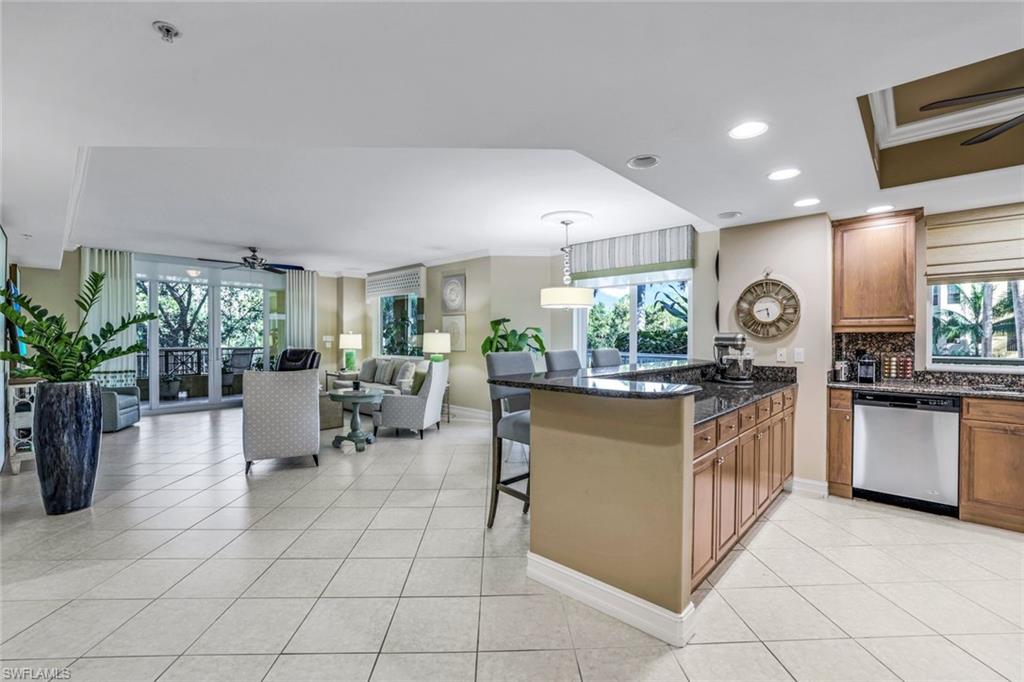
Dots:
pixel 978 325
pixel 645 317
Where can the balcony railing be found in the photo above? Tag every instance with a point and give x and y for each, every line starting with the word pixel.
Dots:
pixel 192 361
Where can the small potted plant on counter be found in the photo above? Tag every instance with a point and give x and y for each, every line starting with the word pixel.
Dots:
pixel 67 421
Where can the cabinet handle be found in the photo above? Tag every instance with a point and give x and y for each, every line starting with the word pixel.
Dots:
pixel 706 439
pixel 910 317
pixel 732 427
pixel 720 460
pixel 847 417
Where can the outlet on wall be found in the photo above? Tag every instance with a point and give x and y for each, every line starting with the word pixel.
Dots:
pixel 780 354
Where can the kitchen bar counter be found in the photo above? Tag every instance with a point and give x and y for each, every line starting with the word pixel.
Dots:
pixel 715 399
pixel 1001 392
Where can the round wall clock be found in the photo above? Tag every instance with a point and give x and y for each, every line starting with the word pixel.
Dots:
pixel 768 308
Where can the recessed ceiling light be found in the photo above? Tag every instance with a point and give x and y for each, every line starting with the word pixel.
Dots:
pixel 643 161
pixel 884 208
pixel 784 174
pixel 729 215
pixel 193 272
pixel 748 129
pixel 809 201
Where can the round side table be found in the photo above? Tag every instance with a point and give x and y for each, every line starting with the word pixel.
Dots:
pixel 352 400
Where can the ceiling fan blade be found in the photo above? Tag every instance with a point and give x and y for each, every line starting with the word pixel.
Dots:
pixel 973 99
pixel 216 260
pixel 993 132
pixel 270 268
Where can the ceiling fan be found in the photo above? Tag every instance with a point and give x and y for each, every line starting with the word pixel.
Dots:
pixel 976 99
pixel 254 261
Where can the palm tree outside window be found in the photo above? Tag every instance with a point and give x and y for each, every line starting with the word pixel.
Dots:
pixel 979 323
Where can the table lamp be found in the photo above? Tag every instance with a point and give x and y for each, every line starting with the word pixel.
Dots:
pixel 350 341
pixel 437 343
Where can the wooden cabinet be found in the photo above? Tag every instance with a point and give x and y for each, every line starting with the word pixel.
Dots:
pixel 840 443
pixel 873 277
pixel 735 478
pixel 992 463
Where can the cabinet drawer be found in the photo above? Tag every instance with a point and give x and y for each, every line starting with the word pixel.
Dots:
pixel 840 399
pixel 764 409
pixel 778 404
pixel 788 398
pixel 748 417
pixel 728 427
pixel 1003 411
pixel 705 438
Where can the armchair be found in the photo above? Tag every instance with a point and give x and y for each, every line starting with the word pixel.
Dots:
pixel 281 415
pixel 419 411
pixel 119 406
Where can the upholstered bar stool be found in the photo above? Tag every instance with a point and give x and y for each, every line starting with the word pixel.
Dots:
pixel 605 357
pixel 510 420
pixel 561 360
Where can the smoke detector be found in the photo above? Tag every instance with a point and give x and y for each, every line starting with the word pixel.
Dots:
pixel 168 31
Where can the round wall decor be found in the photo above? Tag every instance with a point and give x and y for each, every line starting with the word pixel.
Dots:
pixel 768 308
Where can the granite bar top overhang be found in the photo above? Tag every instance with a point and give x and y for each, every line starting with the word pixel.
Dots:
pixel 576 381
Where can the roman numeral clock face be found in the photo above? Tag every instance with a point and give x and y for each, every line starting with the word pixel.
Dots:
pixel 768 308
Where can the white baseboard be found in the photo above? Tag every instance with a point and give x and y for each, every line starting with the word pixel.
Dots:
pixel 469 412
pixel 673 628
pixel 810 486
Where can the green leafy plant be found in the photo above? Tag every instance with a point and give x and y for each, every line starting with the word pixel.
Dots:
pixel 61 354
pixel 505 340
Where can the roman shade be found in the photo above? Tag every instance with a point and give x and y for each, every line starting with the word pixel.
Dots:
pixel 979 245
pixel 667 249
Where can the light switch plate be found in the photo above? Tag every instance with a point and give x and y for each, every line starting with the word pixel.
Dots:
pixel 780 354
pixel 798 355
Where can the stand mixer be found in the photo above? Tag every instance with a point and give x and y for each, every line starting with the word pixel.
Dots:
pixel 734 362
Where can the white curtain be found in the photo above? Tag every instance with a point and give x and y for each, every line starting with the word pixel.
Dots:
pixel 300 305
pixel 116 301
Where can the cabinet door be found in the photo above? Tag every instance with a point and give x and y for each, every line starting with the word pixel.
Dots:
pixel 873 274
pixel 747 491
pixel 703 516
pixel 777 447
pixel 764 466
pixel 725 504
pixel 788 437
pixel 992 473
pixel 840 452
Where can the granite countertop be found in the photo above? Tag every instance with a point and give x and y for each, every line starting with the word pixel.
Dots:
pixel 716 399
pixel 930 388
pixel 578 381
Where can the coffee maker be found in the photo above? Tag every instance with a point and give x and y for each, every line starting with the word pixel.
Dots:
pixel 734 362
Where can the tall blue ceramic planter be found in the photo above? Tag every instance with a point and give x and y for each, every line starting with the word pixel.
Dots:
pixel 67 427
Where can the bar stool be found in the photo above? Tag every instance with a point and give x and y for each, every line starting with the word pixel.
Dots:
pixel 562 360
pixel 510 420
pixel 606 357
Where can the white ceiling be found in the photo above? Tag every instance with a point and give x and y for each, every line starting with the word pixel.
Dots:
pixel 607 80
pixel 352 210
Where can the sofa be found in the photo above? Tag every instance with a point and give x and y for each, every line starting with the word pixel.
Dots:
pixel 392 374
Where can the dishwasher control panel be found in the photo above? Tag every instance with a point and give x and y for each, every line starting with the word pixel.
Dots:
pixel 908 401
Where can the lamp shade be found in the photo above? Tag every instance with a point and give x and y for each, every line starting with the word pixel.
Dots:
pixel 437 342
pixel 566 298
pixel 350 341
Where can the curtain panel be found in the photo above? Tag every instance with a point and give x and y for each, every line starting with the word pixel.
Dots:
pixel 978 245
pixel 117 299
pixel 668 249
pixel 300 304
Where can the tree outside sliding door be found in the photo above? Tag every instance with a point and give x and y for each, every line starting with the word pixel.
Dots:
pixel 241 335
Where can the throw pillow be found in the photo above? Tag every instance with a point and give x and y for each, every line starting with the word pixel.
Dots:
pixel 404 373
pixel 417 381
pixel 385 370
pixel 368 370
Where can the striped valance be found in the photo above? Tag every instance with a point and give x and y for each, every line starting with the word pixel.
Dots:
pixel 667 249
pixel 979 245
pixel 411 280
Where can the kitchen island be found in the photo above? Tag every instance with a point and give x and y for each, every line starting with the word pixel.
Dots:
pixel 620 464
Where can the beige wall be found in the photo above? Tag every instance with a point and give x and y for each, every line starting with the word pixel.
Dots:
pixel 327 321
pixel 799 253
pixel 352 314
pixel 704 296
pixel 55 290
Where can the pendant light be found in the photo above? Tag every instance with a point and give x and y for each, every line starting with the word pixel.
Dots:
pixel 566 297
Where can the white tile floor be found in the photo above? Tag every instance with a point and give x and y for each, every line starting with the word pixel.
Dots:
pixel 377 565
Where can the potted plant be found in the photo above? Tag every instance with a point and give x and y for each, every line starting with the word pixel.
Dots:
pixel 170 384
pixel 67 421
pixel 505 340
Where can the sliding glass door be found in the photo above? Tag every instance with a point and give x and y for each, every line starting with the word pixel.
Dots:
pixel 212 326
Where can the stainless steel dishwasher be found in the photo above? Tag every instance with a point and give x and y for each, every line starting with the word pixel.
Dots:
pixel 906 450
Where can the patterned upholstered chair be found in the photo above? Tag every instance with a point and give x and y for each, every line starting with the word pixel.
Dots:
pixel 418 411
pixel 559 360
pixel 281 415
pixel 606 357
